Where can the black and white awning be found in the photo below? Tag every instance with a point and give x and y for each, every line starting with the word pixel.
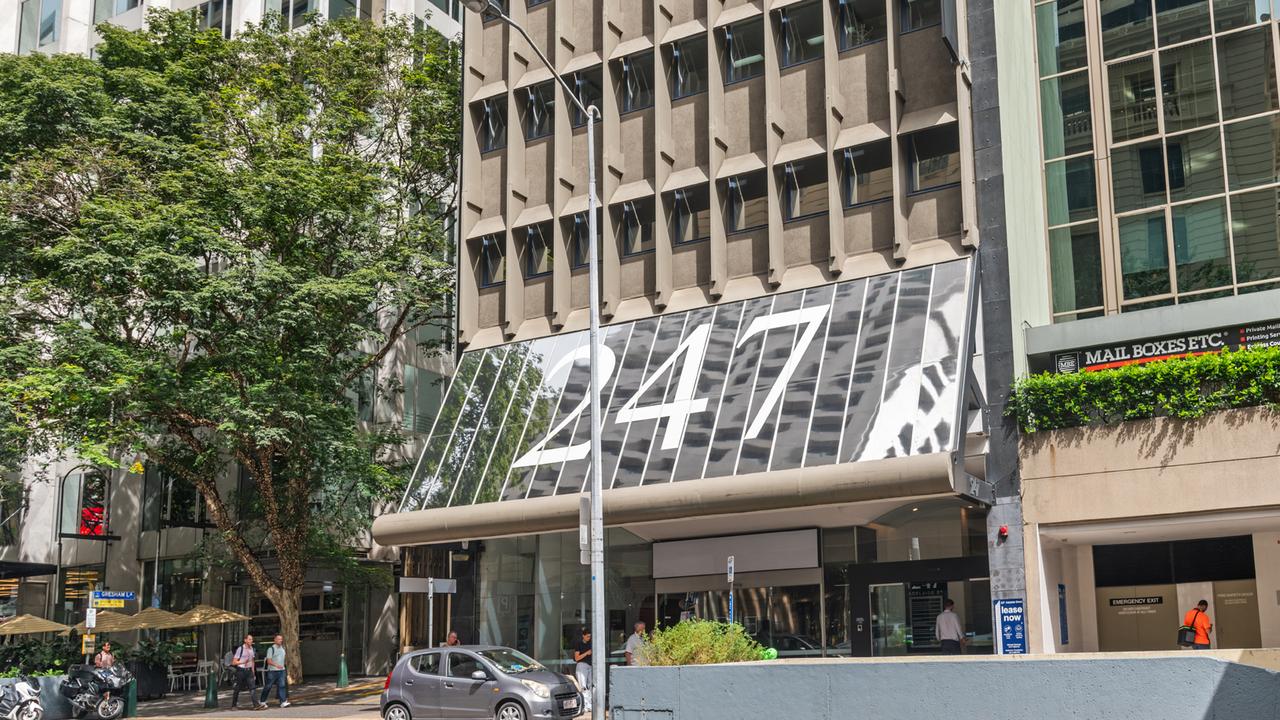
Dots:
pixel 850 373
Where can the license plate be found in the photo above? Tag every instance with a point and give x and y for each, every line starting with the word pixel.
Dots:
pixel 571 704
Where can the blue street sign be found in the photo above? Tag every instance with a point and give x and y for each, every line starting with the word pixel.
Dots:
pixel 114 595
pixel 1012 621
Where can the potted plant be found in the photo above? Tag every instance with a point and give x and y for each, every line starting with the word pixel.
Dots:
pixel 149 661
pixel 46 661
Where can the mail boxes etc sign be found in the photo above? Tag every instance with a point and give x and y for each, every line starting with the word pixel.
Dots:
pixel 1102 357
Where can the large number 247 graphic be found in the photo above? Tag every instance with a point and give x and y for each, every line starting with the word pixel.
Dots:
pixel 690 354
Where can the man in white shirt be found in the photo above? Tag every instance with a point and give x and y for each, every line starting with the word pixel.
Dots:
pixel 635 646
pixel 948 630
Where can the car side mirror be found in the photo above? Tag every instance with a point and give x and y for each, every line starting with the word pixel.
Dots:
pixel 479 675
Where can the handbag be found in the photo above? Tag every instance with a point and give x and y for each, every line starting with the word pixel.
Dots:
pixel 1187 633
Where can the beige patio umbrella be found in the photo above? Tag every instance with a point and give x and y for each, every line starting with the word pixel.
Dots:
pixel 30 624
pixel 156 619
pixel 208 615
pixel 109 622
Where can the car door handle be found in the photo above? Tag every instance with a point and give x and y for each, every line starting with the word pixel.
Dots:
pixel 448 684
pixel 408 682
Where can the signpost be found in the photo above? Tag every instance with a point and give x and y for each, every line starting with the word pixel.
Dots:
pixel 102 599
pixel 87 644
pixel 90 618
pixel 1011 627
pixel 430 586
pixel 731 588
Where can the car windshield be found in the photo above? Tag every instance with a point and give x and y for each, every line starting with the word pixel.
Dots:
pixel 511 661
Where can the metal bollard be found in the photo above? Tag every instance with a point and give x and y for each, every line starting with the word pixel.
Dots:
pixel 211 689
pixel 131 699
pixel 343 680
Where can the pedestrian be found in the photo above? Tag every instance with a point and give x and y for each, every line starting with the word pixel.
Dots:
pixel 276 674
pixel 1197 618
pixel 635 645
pixel 947 629
pixel 104 659
pixel 242 660
pixel 452 639
pixel 582 665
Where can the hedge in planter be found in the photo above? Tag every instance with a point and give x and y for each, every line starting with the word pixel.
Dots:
pixel 1185 388
pixel 701 642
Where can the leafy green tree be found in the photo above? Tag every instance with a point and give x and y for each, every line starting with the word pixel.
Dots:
pixel 207 244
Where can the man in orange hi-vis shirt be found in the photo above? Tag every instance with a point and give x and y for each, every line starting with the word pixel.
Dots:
pixel 1199 619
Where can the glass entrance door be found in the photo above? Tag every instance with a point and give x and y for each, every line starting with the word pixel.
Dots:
pixel 904 616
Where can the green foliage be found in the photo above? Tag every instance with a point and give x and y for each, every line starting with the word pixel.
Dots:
pixel 156 653
pixel 1182 388
pixel 701 642
pixel 39 657
pixel 208 245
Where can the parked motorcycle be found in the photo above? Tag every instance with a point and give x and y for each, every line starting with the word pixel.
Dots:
pixel 96 690
pixel 21 700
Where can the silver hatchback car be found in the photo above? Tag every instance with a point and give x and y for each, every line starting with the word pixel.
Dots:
pixel 476 681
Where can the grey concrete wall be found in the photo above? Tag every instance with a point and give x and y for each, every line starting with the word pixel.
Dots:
pixel 1169 688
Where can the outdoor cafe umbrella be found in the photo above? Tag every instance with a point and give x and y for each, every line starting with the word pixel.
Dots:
pixel 109 622
pixel 29 624
pixel 207 615
pixel 156 619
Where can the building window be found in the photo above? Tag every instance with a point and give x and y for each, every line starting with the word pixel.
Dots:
pixel 50 16
pixel 178 587
pixel 169 501
pixel 423 390
pixel 579 251
pixel 800 27
pixel 586 85
pixel 690 215
pixel 84 504
pixel 539 110
pixel 296 12
pixel 493 266
pixel 452 8
pixel 214 15
pixel 73 595
pixel 1075 259
pixel 920 14
pixel 637 227
pixel 868 173
pixel 637 82
pixel 743 51
pixel 13 503
pixel 688 72
pixel 1071 194
pixel 537 250
pixel 103 9
pixel 536 3
pixel 860 22
pixel 935 157
pixel 747 202
pixel 804 189
pixel 492 119
pixel 362 9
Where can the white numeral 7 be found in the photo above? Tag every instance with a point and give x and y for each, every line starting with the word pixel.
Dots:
pixel 811 318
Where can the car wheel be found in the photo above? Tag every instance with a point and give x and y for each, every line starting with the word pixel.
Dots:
pixel 396 712
pixel 511 711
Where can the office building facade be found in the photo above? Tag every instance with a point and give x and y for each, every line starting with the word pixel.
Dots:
pixel 800 219
pixel 1159 240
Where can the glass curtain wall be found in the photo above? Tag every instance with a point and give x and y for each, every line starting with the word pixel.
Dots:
pixel 1191 160
pixel 535 595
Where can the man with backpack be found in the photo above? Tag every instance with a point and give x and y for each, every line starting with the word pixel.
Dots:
pixel 1198 619
pixel 242 663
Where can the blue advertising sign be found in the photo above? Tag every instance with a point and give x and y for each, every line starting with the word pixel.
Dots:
pixel 1011 618
pixel 114 595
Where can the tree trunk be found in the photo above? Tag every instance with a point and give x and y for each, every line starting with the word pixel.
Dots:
pixel 288 608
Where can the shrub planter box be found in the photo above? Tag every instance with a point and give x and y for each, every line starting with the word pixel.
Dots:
pixel 152 680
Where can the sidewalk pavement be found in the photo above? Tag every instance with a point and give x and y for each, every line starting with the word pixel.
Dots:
pixel 320 699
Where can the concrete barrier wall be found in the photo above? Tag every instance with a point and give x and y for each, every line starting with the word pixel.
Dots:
pixel 1166 688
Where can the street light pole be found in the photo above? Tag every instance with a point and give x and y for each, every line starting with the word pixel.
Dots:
pixel 599 656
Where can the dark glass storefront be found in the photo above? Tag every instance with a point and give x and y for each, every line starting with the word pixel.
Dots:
pixel 876 590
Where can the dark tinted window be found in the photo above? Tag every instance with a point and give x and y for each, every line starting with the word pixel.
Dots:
pixel 461 665
pixel 426 664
